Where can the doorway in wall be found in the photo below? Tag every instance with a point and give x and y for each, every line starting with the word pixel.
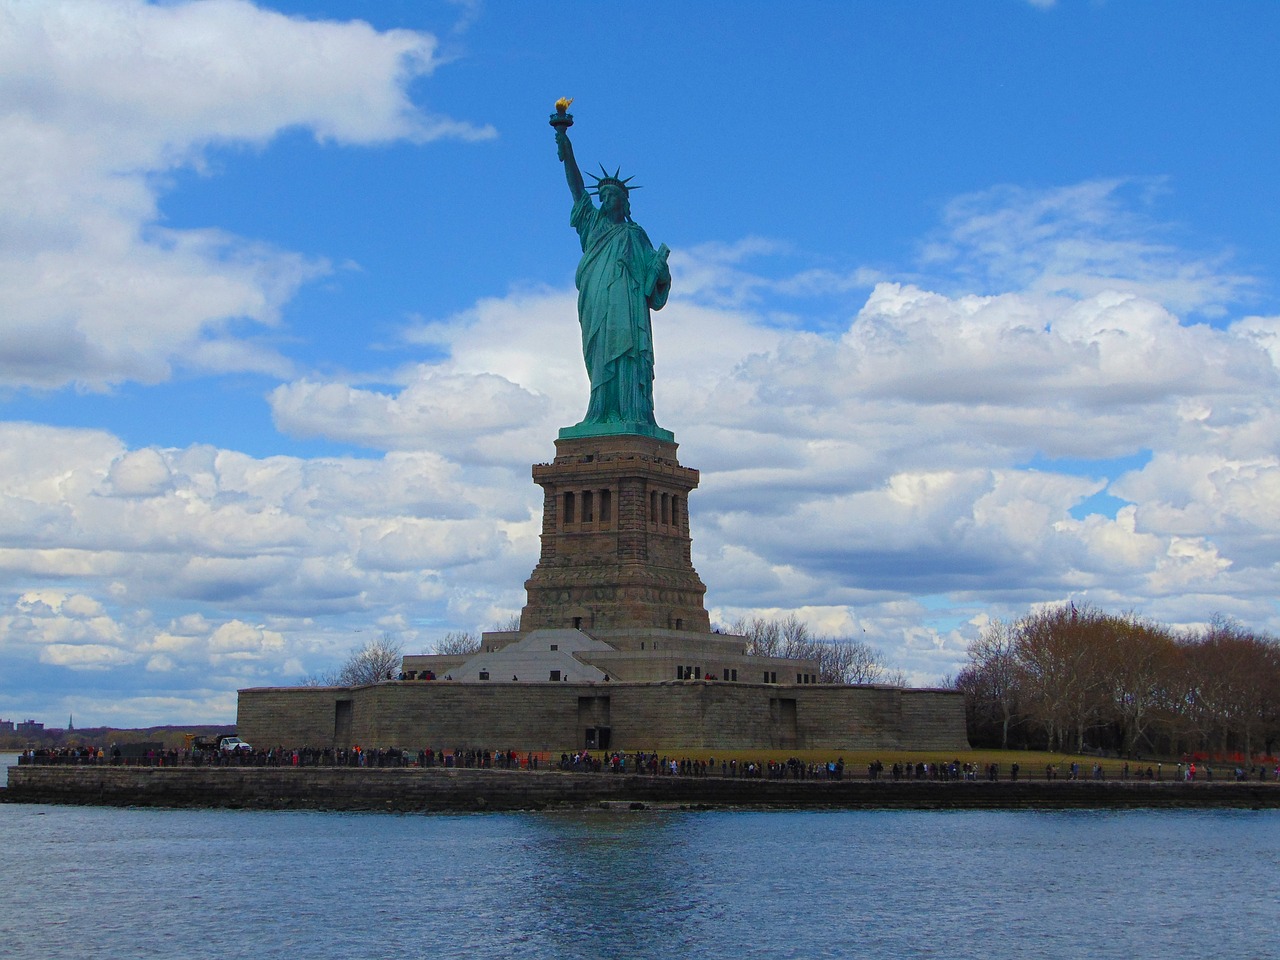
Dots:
pixel 342 723
pixel 598 738
pixel 782 711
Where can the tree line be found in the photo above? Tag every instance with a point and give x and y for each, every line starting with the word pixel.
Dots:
pixel 1079 678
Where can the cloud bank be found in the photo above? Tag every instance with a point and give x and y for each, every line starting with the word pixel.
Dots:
pixel 102 102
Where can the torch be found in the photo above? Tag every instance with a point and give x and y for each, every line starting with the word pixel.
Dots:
pixel 562 120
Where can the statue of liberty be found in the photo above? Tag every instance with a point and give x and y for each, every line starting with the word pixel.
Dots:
pixel 620 279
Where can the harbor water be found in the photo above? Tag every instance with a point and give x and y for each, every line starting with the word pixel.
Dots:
pixel 89 882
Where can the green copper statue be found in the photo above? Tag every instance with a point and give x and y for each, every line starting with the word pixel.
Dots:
pixel 620 279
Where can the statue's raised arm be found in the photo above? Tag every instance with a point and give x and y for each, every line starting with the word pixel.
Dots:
pixel 620 279
pixel 562 120
pixel 571 171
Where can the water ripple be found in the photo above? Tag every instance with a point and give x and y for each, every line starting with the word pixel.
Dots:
pixel 105 883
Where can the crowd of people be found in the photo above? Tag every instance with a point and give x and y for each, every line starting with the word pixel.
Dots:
pixel 356 756
pixel 617 762
pixel 652 764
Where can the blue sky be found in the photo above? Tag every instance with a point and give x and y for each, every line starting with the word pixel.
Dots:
pixel 974 309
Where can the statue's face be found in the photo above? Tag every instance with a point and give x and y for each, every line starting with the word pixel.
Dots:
pixel 613 201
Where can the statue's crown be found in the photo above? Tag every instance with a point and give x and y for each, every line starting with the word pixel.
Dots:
pixel 610 180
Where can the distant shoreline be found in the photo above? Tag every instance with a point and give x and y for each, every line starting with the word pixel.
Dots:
pixel 445 790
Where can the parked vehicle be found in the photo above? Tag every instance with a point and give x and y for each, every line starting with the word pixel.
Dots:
pixel 224 743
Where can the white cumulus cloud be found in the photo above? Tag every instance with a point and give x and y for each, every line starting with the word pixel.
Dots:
pixel 102 100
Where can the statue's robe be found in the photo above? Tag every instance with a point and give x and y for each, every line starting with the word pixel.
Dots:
pixel 620 279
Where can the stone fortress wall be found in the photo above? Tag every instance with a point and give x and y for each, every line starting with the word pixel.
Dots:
pixel 676 715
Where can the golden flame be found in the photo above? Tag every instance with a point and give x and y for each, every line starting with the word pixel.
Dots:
pixel 562 105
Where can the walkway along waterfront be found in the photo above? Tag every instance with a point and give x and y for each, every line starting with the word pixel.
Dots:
pixel 439 788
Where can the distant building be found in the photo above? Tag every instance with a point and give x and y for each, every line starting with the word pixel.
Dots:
pixel 6 726
pixel 30 726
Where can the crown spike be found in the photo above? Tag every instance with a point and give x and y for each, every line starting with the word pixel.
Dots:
pixel 605 178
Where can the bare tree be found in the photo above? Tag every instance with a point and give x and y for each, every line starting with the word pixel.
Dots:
pixel 840 659
pixel 1138 666
pixel 846 660
pixel 1060 655
pixel 375 661
pixel 897 677
pixel 764 637
pixel 1232 680
pixel 991 678
pixel 795 640
pixel 458 643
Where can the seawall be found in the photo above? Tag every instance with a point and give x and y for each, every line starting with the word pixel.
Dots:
pixel 435 789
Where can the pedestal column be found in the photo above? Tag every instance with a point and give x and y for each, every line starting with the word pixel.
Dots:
pixel 615 539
